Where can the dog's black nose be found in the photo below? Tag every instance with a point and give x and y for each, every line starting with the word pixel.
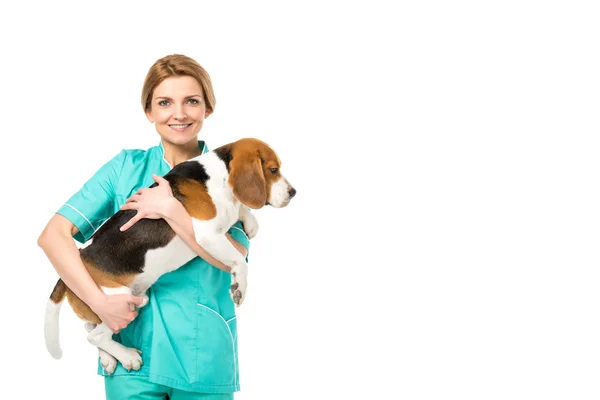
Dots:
pixel 292 192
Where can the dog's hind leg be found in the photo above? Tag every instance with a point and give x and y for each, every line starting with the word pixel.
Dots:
pixel 101 337
pixel 108 362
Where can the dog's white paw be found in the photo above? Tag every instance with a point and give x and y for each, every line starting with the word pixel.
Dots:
pixel 108 362
pixel 130 359
pixel 250 225
pixel 144 301
pixel 239 283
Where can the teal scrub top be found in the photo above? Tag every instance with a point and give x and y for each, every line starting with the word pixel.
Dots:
pixel 187 332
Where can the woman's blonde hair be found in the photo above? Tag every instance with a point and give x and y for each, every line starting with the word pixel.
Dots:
pixel 177 65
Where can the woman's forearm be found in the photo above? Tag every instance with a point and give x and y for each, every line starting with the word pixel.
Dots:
pixel 58 244
pixel 180 221
pixel 238 246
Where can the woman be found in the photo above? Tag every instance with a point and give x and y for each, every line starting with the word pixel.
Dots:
pixel 187 332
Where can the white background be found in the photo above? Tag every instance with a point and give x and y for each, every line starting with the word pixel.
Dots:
pixel 444 240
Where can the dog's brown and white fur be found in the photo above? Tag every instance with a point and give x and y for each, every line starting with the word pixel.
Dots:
pixel 213 188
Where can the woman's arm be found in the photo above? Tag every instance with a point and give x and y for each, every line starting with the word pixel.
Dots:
pixel 57 242
pixel 181 222
pixel 158 202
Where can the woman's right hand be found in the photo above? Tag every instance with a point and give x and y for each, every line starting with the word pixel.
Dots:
pixel 115 310
pixel 149 202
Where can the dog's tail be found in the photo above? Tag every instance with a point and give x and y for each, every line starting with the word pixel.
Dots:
pixel 51 321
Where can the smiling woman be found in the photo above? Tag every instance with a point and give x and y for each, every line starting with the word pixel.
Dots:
pixel 174 331
pixel 178 115
pixel 177 96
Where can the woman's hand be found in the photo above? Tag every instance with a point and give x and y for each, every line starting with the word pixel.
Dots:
pixel 149 202
pixel 117 310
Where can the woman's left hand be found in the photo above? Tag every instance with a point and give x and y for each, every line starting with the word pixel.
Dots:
pixel 149 202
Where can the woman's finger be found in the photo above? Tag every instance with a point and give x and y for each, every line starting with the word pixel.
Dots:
pixel 130 206
pixel 132 221
pixel 135 197
pixel 160 180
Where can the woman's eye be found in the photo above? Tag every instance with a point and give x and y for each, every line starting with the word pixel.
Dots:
pixel 193 101
pixel 163 103
pixel 273 170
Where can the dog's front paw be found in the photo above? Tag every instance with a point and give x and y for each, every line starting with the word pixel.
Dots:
pixel 239 284
pixel 250 224
pixel 131 359
pixel 145 300
pixel 109 363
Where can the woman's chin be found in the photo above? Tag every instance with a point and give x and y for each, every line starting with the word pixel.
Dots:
pixel 179 139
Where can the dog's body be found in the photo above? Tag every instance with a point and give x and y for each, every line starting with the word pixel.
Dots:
pixel 215 189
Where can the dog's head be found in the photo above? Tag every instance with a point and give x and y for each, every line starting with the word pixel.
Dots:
pixel 255 176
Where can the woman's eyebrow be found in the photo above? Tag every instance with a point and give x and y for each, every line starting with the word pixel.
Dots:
pixel 187 97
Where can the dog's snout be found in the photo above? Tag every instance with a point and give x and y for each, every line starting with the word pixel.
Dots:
pixel 292 192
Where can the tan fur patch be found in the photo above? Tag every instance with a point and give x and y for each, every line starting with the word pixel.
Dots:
pixel 197 201
pixel 102 279
pixel 58 294
pixel 81 309
pixel 251 176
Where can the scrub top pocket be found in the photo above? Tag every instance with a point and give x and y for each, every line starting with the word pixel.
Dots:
pixel 216 348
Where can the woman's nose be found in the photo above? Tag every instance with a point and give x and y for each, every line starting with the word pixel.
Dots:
pixel 179 114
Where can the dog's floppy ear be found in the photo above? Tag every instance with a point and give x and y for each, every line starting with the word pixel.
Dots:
pixel 248 181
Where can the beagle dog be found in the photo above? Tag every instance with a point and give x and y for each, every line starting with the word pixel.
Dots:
pixel 216 189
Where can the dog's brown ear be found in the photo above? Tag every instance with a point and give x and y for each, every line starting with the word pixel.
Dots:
pixel 248 181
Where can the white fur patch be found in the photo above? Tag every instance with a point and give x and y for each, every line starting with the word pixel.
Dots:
pixel 280 195
pixel 216 170
pixel 86 244
pixel 160 261
pixel 118 290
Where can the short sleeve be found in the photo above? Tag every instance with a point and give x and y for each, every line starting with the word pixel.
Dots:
pixel 237 232
pixel 94 202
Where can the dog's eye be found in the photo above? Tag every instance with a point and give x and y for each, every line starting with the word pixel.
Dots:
pixel 273 170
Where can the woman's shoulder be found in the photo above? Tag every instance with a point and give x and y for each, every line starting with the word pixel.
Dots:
pixel 129 161
pixel 134 156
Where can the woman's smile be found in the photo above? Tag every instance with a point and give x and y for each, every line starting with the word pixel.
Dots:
pixel 179 127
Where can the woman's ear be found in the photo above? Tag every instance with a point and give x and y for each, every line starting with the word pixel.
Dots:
pixel 149 116
pixel 248 181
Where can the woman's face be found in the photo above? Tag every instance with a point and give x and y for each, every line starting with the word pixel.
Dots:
pixel 178 110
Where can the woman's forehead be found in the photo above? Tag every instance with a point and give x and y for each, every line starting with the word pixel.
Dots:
pixel 183 86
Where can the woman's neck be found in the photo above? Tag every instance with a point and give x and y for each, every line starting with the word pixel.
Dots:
pixel 176 154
